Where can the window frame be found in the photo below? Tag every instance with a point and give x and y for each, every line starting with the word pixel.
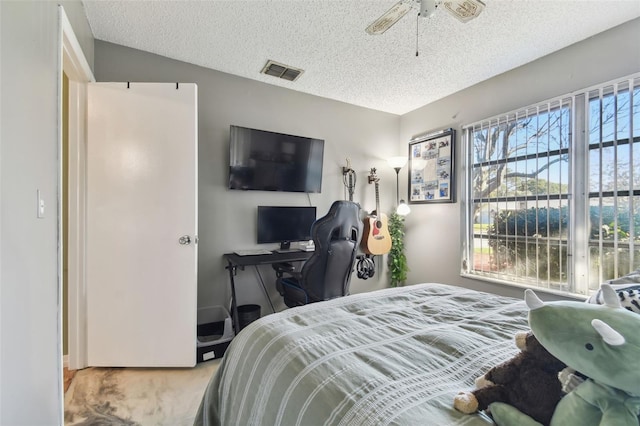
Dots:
pixel 578 196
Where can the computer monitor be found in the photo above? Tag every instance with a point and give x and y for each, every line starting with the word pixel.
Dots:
pixel 284 224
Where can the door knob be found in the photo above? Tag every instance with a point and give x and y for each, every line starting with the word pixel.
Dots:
pixel 185 240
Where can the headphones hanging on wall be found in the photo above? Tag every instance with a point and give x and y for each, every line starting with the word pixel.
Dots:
pixel 365 267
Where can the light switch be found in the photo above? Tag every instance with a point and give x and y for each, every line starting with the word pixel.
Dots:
pixel 40 205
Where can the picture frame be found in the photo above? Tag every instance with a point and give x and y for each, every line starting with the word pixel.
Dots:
pixel 431 168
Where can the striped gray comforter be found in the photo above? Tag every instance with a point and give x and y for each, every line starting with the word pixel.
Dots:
pixel 394 356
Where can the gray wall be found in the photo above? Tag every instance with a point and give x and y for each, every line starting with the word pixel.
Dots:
pixel 30 361
pixel 227 219
pixel 609 55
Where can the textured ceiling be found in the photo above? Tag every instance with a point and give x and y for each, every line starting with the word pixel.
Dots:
pixel 327 39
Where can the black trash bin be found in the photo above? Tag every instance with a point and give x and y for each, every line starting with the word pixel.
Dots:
pixel 247 314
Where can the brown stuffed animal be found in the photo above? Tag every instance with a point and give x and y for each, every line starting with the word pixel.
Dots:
pixel 528 381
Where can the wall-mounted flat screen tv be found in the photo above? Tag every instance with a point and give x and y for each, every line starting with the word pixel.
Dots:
pixel 270 161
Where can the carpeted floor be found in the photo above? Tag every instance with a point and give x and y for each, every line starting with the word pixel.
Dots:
pixel 67 377
pixel 137 396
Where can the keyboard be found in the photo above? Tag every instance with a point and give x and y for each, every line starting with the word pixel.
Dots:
pixel 252 252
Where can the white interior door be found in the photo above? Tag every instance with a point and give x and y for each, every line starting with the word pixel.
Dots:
pixel 141 199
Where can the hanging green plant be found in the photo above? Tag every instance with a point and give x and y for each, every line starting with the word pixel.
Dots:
pixel 397 260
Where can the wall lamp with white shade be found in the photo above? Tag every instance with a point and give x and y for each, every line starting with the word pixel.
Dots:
pixel 397 163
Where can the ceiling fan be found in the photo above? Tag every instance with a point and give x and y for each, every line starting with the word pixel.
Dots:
pixel 463 10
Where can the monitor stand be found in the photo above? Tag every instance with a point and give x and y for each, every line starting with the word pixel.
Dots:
pixel 285 247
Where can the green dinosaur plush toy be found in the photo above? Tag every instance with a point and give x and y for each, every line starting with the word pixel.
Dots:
pixel 601 341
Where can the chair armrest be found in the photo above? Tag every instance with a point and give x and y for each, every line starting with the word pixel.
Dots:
pixel 284 267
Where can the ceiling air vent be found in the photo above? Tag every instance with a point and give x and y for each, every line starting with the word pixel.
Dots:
pixel 281 71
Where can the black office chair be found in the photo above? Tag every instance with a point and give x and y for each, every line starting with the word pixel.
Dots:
pixel 327 273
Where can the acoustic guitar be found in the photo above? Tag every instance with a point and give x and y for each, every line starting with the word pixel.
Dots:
pixel 376 238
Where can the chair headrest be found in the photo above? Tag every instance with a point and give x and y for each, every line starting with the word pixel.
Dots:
pixel 340 222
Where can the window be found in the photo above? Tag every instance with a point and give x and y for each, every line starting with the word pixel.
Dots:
pixel 553 191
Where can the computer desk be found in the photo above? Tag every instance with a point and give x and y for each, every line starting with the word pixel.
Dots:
pixel 234 261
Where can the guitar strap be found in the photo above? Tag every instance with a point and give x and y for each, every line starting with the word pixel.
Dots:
pixel 349 179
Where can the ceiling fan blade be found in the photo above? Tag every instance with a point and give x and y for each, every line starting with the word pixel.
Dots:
pixel 464 10
pixel 389 18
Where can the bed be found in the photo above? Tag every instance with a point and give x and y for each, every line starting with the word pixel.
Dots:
pixel 393 356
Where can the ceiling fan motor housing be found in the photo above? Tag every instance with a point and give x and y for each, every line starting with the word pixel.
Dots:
pixel 427 8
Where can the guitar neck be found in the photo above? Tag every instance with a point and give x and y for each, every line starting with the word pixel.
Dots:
pixel 377 200
pixel 350 187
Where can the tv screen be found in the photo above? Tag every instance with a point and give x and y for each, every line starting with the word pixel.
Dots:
pixel 284 224
pixel 269 161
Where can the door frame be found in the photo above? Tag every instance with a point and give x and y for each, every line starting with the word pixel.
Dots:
pixel 73 63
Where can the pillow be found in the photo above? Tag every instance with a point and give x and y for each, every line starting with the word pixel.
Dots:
pixel 632 277
pixel 628 289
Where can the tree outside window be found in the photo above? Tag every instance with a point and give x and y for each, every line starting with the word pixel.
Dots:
pixel 551 205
